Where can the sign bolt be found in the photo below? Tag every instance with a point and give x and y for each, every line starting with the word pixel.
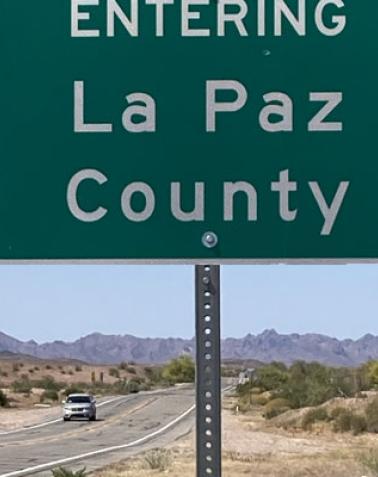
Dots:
pixel 209 239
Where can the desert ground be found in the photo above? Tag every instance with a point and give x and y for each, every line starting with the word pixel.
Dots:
pixel 253 447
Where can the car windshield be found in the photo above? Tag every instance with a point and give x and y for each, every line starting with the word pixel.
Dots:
pixel 78 399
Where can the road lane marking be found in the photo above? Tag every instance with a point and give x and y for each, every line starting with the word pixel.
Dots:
pixel 94 427
pixel 49 423
pixel 49 465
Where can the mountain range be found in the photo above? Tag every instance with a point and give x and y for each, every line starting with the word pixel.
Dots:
pixel 266 347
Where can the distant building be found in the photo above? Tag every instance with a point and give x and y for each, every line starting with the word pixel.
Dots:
pixel 247 376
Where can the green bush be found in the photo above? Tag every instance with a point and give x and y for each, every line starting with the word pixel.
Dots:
pixel 343 421
pixel 318 414
pixel 179 370
pixel 372 416
pixel 62 472
pixel 75 389
pixel 358 424
pixel 124 386
pixel 4 402
pixel 133 386
pixel 275 407
pixel 154 375
pixel 49 396
pixel 114 373
pixel 22 385
pixel 271 377
pixel 48 383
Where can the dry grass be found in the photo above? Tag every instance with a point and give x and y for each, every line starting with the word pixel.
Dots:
pixel 235 465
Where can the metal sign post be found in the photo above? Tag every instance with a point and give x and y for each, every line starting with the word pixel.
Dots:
pixel 208 384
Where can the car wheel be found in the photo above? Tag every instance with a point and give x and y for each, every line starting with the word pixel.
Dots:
pixel 93 418
pixel 65 419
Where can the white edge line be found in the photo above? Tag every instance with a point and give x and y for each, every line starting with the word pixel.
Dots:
pixel 49 423
pixel 49 465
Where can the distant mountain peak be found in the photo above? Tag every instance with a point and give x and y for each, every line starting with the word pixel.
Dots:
pixel 266 347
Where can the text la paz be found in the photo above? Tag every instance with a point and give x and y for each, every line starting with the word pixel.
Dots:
pixel 140 114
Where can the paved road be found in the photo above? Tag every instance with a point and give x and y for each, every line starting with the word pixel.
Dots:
pixel 125 426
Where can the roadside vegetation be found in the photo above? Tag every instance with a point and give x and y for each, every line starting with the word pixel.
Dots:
pixel 336 399
pixel 4 401
pixel 47 383
pixel 63 472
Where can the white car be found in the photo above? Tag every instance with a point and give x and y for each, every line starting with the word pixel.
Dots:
pixel 79 405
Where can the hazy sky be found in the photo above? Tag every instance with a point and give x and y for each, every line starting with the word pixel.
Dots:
pixel 66 302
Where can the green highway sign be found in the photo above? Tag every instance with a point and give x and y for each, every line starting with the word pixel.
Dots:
pixel 188 130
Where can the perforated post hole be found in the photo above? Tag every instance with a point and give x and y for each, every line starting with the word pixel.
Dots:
pixel 208 371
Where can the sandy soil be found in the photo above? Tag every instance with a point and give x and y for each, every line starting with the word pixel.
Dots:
pixel 251 448
pixel 11 419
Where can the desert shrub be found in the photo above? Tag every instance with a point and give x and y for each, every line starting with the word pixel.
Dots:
pixel 336 412
pixel 133 386
pixel 343 421
pixel 123 365
pixel 75 389
pixel 114 373
pixel 154 374
pixel 4 374
pixel 48 383
pixel 120 387
pixel 314 415
pixel 158 459
pixel 312 384
pixel 358 424
pixel 48 366
pixel 275 407
pixel 124 386
pixel 62 472
pixel 78 368
pixel 31 370
pixel 179 370
pixel 372 416
pixel 22 385
pixel 271 377
pixel 131 370
pixel 4 402
pixel 36 368
pixel 242 389
pixel 49 396
pixel 15 367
